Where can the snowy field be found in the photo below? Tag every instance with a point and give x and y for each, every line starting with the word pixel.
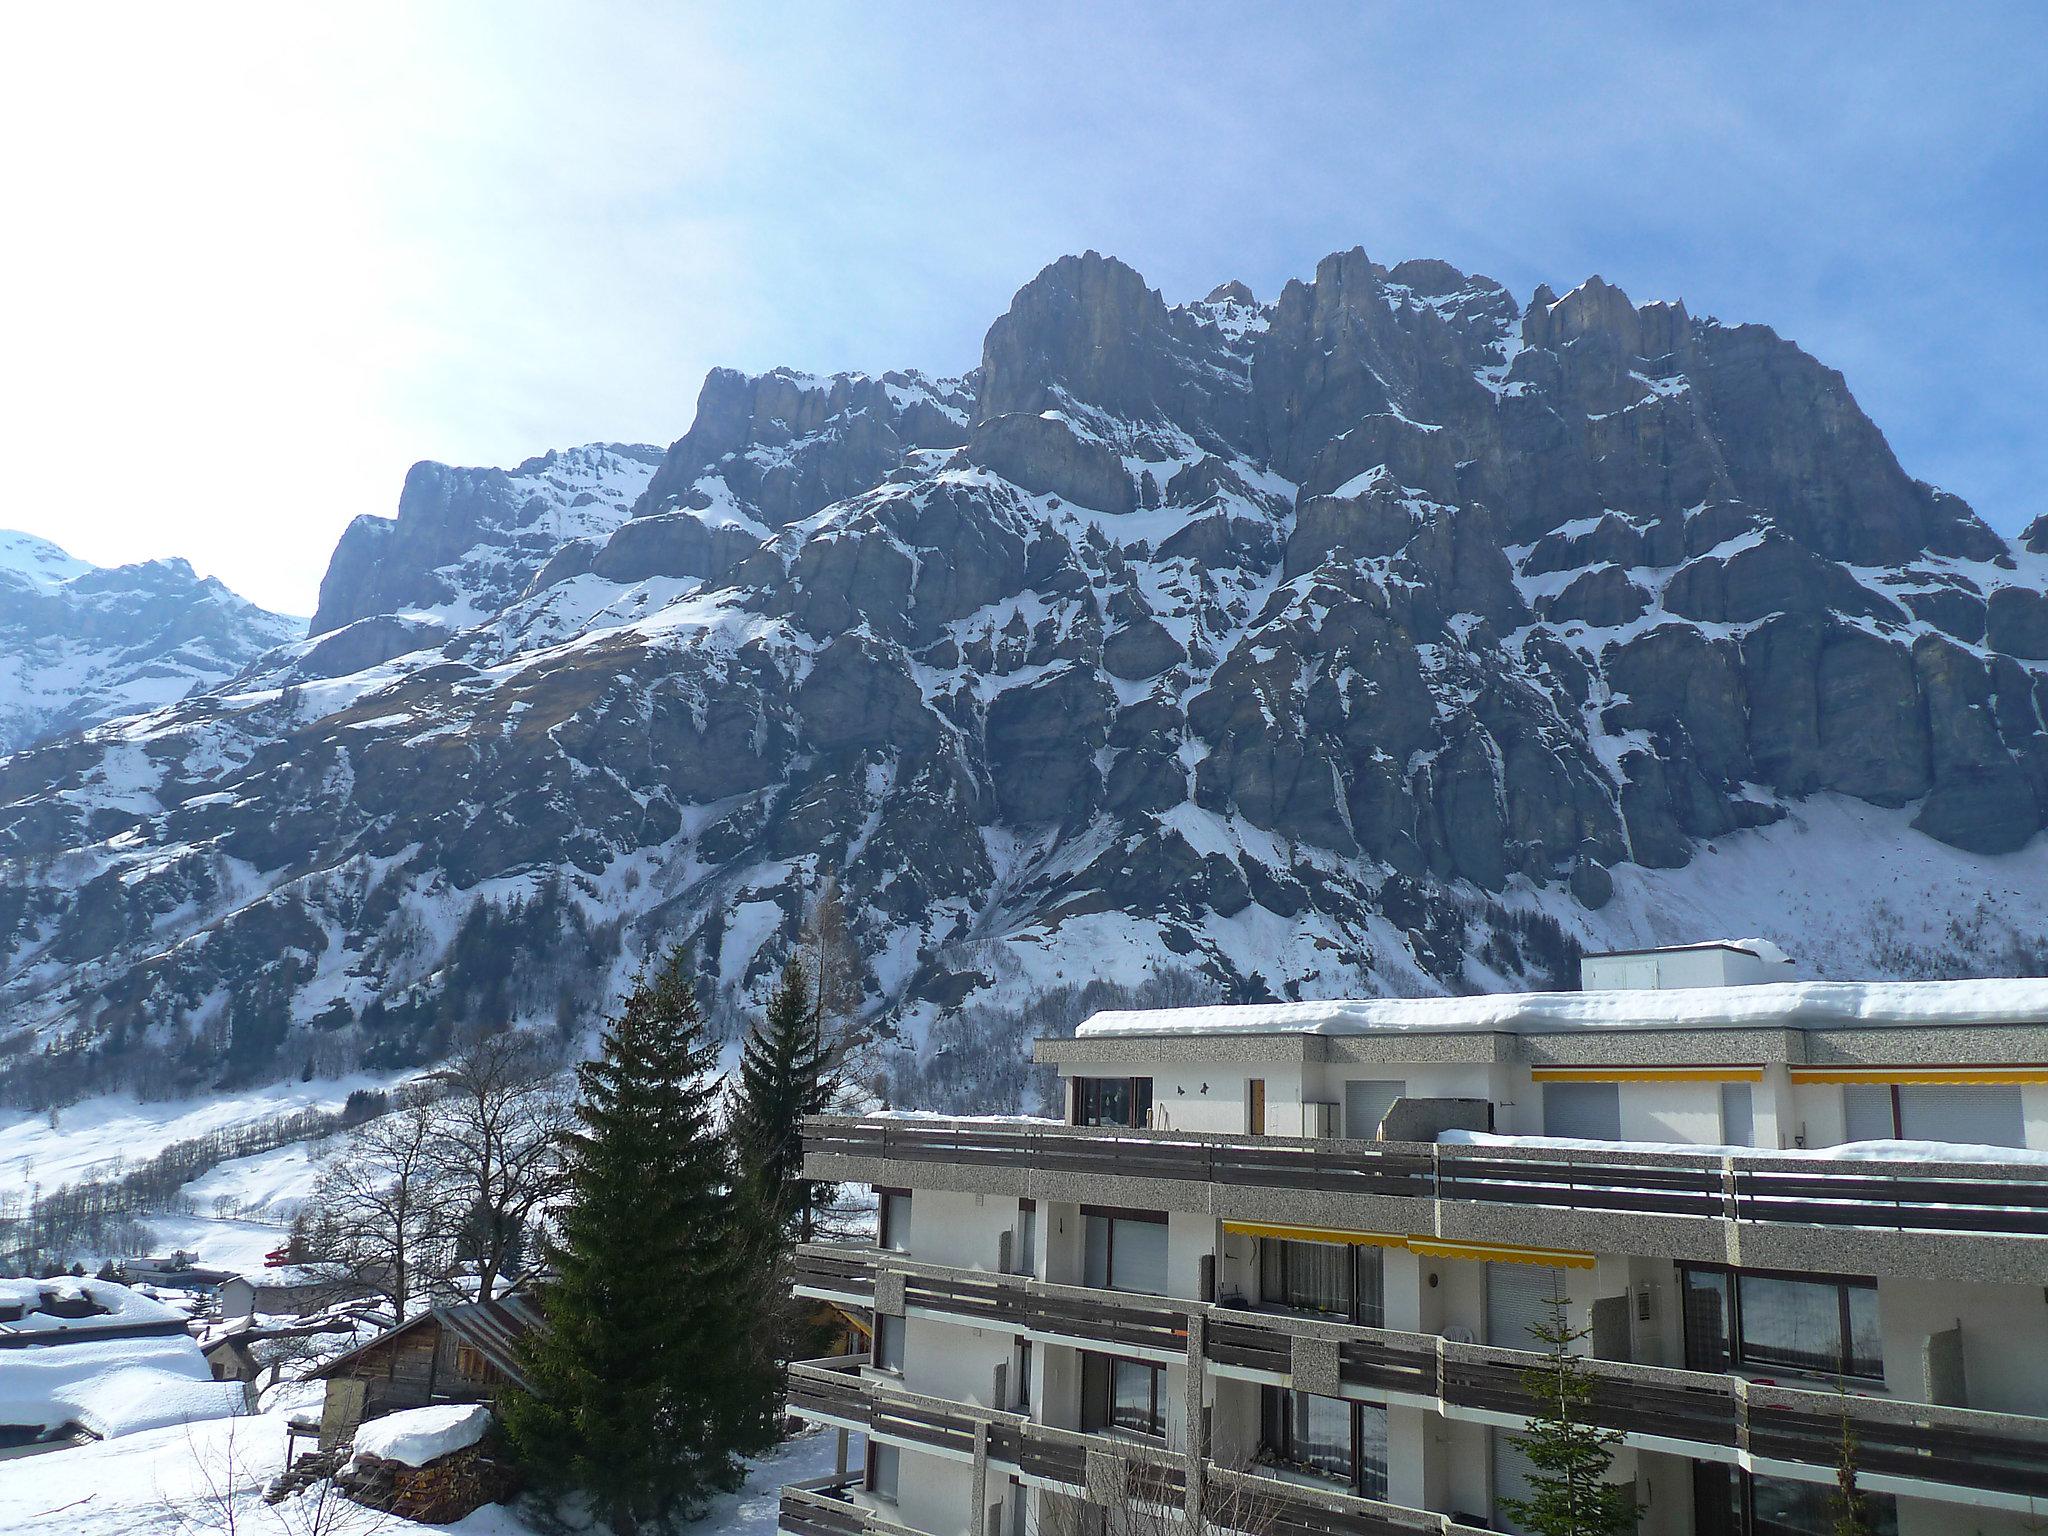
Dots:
pixel 90 1137
pixel 207 1479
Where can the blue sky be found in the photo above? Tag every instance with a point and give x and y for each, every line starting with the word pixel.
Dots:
pixel 270 259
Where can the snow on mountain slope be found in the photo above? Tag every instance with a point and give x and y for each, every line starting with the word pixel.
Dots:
pixel 1389 635
pixel 80 644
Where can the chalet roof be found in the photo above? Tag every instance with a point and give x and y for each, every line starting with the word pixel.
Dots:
pixel 494 1328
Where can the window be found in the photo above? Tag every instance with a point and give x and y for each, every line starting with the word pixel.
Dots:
pixel 1345 1442
pixel 1124 1251
pixel 1125 1101
pixel 893 1221
pixel 1013 1521
pixel 888 1354
pixel 884 1468
pixel 1738 1116
pixel 1020 1370
pixel 1585 1111
pixel 1731 1503
pixel 1123 1394
pixel 1025 1259
pixel 1334 1279
pixel 1767 1322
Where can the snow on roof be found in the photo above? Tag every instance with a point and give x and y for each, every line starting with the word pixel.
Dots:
pixel 420 1435
pixel 99 1304
pixel 1777 1004
pixel 1763 949
pixel 96 1372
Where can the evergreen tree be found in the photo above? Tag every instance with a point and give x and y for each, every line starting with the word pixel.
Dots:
pixel 1849 1514
pixel 644 1396
pixel 1569 1493
pixel 784 1076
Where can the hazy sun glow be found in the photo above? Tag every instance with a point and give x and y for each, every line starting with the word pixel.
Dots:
pixel 258 260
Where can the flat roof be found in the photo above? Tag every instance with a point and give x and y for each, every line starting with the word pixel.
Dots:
pixel 1998 1001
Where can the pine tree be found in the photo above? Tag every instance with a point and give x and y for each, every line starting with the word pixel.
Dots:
pixel 644 1396
pixel 784 1076
pixel 1570 1495
pixel 1848 1513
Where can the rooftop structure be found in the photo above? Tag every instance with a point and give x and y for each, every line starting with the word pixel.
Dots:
pixel 1288 1257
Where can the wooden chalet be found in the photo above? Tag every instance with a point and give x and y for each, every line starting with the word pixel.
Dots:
pixel 467 1352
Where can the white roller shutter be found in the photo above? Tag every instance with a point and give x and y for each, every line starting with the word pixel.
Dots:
pixel 1972 1114
pixel 1511 1471
pixel 1586 1111
pixel 1517 1296
pixel 1366 1105
pixel 1867 1112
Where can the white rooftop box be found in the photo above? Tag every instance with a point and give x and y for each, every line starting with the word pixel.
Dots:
pixel 1714 963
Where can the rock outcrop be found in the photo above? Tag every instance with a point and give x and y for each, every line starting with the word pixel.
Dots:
pixel 1385 634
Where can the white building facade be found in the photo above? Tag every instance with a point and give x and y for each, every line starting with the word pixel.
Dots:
pixel 1281 1265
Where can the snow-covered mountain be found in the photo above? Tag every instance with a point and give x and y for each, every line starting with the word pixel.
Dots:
pixel 1388 634
pixel 80 643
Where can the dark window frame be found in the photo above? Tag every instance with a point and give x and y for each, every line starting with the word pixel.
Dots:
pixel 902 1345
pixel 883 1236
pixel 870 1483
pixel 1355 1309
pixel 1098 1416
pixel 1111 1215
pixel 1088 1095
pixel 1731 1277
pixel 1276 1439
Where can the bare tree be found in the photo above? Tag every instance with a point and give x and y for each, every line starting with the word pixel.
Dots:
pixel 382 1225
pixel 497 1147
pixel 1148 1500
pixel 832 967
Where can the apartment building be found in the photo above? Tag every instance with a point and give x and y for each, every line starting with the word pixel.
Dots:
pixel 1278 1268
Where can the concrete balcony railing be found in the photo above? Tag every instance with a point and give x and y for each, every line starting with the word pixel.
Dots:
pixel 1100 1468
pixel 1982 1198
pixel 1902 1447
pixel 1804 1214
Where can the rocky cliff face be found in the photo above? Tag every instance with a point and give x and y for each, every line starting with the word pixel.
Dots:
pixel 80 644
pixel 1389 634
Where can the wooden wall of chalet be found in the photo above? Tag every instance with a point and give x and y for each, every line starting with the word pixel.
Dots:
pixel 422 1365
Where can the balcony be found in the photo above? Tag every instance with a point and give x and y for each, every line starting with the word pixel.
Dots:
pixel 1793 1213
pixel 1915 1449
pixel 1099 1468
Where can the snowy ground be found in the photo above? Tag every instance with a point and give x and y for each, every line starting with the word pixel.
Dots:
pixel 95 1134
pixel 207 1479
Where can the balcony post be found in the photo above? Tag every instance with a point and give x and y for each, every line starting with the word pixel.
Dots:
pixel 1197 1417
pixel 977 1520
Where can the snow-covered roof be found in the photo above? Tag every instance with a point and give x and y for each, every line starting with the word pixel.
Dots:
pixel 420 1435
pixel 1778 1004
pixel 98 1304
pixel 1763 949
pixel 96 1371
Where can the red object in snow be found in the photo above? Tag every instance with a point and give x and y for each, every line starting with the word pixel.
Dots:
pixel 277 1258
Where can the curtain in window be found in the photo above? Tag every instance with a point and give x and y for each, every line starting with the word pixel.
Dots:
pixel 1791 1324
pixel 1321 1435
pixel 1134 1397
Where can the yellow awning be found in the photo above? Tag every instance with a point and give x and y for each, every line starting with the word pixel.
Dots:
pixel 1905 1075
pixel 1647 1074
pixel 1429 1247
pixel 1316 1234
pixel 1500 1253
